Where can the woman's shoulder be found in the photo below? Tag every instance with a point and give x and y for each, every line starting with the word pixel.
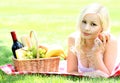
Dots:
pixel 113 38
pixel 72 38
pixel 74 35
pixel 113 41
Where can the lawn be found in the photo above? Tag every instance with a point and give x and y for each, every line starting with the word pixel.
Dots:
pixel 53 21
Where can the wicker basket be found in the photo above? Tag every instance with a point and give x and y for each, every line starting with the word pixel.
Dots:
pixel 37 65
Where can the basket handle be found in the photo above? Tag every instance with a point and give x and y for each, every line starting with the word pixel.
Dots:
pixel 33 35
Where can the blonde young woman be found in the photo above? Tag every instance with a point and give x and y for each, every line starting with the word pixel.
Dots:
pixel 92 47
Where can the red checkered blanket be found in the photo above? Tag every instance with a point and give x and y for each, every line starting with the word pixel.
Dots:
pixel 10 70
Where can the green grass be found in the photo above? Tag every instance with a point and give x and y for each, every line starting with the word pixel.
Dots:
pixel 53 21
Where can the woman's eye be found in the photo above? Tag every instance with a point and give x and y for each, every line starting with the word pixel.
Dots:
pixel 93 24
pixel 84 22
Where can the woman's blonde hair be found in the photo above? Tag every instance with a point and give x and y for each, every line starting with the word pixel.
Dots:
pixel 103 14
pixel 101 11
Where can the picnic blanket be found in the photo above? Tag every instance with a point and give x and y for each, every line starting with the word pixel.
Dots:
pixel 10 70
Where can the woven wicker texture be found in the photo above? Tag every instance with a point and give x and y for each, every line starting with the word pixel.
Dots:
pixel 37 65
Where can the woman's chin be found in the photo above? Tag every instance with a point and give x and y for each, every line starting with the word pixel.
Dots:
pixel 86 37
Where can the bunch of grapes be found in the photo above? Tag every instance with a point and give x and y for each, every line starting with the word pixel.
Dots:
pixel 42 52
pixel 31 53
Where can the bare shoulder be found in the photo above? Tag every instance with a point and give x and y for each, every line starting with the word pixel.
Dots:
pixel 110 54
pixel 113 40
pixel 72 37
pixel 112 43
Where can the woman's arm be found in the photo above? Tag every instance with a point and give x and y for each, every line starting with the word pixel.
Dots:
pixel 99 52
pixel 100 65
pixel 110 54
pixel 72 64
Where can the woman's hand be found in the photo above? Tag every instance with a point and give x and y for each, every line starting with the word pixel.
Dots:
pixel 104 37
pixel 100 43
pixel 98 51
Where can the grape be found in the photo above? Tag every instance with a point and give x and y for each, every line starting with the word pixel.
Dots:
pixel 42 52
pixel 33 49
pixel 32 52
pixel 29 55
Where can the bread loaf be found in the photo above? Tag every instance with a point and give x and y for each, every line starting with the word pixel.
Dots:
pixel 26 41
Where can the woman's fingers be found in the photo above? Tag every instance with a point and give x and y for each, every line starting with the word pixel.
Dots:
pixel 104 37
pixel 100 42
pixel 97 44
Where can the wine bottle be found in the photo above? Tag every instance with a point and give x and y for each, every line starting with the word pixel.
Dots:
pixel 16 44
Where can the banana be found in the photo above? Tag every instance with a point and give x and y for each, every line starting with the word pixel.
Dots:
pixel 63 56
pixel 55 53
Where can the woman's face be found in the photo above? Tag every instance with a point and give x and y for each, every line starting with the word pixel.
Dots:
pixel 90 26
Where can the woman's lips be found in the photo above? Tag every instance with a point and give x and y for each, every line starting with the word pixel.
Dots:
pixel 86 34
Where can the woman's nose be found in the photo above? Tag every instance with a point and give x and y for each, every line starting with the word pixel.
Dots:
pixel 87 27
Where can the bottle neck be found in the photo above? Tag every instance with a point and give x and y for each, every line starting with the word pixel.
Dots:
pixel 14 37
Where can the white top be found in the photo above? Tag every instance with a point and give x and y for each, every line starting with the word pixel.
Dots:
pixel 81 68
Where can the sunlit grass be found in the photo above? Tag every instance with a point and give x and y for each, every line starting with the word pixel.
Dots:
pixel 53 21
